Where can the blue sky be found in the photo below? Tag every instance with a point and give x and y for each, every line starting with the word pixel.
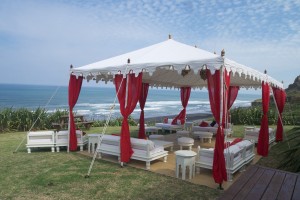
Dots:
pixel 40 39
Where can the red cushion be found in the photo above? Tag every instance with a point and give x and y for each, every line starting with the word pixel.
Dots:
pixel 165 120
pixel 203 124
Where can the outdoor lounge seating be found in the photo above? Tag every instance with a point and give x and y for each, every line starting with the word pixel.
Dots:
pixel 144 150
pixel 40 139
pixel 212 129
pixel 236 157
pixel 252 134
pixel 169 126
pixel 61 139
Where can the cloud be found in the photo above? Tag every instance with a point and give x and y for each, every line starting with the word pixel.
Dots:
pixel 48 36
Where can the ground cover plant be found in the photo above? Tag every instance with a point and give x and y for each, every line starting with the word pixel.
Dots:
pixel 46 175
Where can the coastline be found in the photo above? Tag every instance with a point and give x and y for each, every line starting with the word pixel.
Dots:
pixel 190 117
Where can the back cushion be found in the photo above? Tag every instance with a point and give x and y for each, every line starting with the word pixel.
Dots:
pixel 111 140
pixel 141 144
pixel 165 120
pixel 203 124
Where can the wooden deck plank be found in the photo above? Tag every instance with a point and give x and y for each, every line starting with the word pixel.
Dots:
pixel 261 185
pixel 239 183
pixel 264 183
pixel 287 187
pixel 249 185
pixel 274 187
pixel 296 194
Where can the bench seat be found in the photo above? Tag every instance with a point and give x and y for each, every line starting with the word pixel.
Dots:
pixel 62 139
pixel 144 150
pixel 37 139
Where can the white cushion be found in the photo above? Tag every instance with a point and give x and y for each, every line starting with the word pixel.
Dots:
pixel 141 144
pixel 185 140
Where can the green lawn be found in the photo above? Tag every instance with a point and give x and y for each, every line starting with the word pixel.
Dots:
pixel 46 175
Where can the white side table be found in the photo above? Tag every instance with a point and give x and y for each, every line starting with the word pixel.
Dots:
pixel 186 142
pixel 184 159
pixel 93 140
pixel 188 126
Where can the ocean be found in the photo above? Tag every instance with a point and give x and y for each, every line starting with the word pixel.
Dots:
pixel 95 102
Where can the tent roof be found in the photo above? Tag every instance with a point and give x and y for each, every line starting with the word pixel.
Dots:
pixel 162 66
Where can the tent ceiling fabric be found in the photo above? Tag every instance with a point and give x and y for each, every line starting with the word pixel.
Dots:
pixel 162 66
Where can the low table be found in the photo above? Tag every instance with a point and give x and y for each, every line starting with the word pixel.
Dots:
pixel 156 137
pixel 182 133
pixel 185 158
pixel 165 144
pixel 152 129
pixel 203 135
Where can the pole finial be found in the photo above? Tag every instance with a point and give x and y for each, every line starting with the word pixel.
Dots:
pixel 223 53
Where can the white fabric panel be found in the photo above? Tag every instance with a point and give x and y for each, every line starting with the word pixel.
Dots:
pixel 162 64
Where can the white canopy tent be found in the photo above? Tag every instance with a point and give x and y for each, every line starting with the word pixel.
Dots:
pixel 173 64
pixel 162 65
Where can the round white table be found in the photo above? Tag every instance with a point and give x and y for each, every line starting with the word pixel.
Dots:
pixel 185 158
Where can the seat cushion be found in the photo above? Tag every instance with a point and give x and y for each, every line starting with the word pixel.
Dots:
pixel 185 140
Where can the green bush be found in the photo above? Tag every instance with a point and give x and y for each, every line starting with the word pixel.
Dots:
pixel 252 115
pixel 23 119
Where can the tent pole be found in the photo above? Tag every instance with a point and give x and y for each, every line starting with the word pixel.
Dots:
pixel 279 114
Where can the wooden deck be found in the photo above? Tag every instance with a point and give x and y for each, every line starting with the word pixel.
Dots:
pixel 264 183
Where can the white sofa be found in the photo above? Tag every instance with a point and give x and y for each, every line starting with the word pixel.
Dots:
pixel 144 150
pixel 252 134
pixel 211 129
pixel 236 157
pixel 62 139
pixel 169 126
pixel 40 139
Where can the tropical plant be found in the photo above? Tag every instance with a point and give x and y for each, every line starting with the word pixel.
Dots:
pixel 291 160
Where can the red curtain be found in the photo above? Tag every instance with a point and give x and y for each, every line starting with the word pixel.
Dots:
pixel 74 91
pixel 214 91
pixel 142 100
pixel 263 138
pixel 185 93
pixel 128 90
pixel 280 97
pixel 232 94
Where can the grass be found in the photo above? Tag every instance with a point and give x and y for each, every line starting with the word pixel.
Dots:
pixel 46 175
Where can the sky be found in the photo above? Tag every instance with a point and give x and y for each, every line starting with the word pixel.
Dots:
pixel 40 39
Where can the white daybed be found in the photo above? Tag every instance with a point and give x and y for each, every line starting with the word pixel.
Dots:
pixel 169 126
pixel 252 134
pixel 144 150
pixel 211 129
pixel 40 139
pixel 236 157
pixel 61 139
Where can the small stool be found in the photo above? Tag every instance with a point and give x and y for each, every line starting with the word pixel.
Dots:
pixel 182 133
pixel 203 135
pixel 156 137
pixel 184 159
pixel 185 141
